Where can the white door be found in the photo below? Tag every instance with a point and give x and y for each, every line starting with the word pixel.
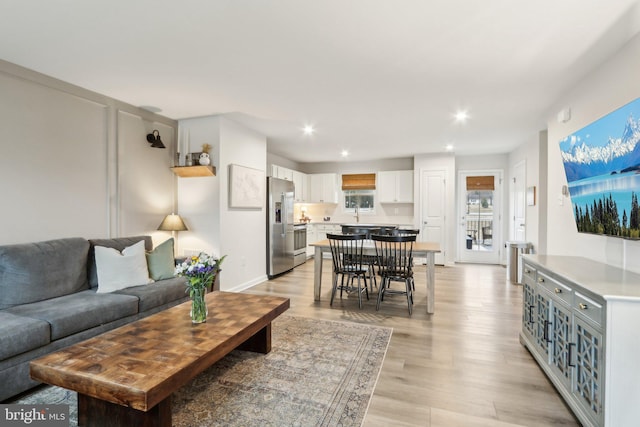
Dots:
pixel 518 207
pixel 433 210
pixel 479 208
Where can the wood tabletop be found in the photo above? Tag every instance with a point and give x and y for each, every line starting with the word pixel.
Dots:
pixel 417 246
pixel 140 364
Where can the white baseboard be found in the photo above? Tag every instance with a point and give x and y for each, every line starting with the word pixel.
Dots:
pixel 246 285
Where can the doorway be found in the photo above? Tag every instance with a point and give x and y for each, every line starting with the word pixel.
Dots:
pixel 518 207
pixel 479 207
pixel 432 210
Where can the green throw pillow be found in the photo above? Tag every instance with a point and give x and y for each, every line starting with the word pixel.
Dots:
pixel 160 261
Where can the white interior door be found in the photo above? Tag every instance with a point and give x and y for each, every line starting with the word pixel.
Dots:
pixel 519 207
pixel 433 210
pixel 479 207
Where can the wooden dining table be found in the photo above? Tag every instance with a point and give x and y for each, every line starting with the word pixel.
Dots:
pixel 427 250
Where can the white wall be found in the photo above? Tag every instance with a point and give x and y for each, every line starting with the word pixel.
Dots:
pixel 607 88
pixel 76 163
pixel 341 167
pixel 203 202
pixel 529 153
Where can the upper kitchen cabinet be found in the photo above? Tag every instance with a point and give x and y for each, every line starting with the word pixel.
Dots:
pixel 301 186
pixel 300 181
pixel 323 188
pixel 282 173
pixel 395 186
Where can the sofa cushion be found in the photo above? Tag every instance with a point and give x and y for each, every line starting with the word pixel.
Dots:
pixel 32 272
pixel 158 293
pixel 19 334
pixel 118 270
pixel 78 312
pixel 118 243
pixel 161 263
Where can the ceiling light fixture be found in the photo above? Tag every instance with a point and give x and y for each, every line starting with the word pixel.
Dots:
pixel 461 116
pixel 448 147
pixel 308 130
pixel 344 153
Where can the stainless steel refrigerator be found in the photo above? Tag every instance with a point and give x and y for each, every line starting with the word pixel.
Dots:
pixel 280 241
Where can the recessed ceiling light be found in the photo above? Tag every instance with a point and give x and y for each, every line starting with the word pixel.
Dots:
pixel 344 153
pixel 308 130
pixel 461 116
pixel 448 147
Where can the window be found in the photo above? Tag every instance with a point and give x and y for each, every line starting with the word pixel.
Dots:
pixel 359 191
pixel 363 199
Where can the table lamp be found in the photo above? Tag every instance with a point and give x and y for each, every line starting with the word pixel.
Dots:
pixel 172 223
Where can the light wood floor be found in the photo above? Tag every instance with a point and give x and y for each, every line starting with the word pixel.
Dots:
pixel 462 366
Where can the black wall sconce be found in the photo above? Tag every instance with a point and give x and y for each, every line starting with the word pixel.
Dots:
pixel 154 139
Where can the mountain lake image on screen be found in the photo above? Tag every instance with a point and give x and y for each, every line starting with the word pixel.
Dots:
pixel 602 165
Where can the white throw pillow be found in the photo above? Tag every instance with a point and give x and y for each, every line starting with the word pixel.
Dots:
pixel 121 270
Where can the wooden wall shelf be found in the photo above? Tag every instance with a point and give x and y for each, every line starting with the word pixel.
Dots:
pixel 192 171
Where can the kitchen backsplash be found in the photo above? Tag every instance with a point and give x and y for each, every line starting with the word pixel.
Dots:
pixel 401 213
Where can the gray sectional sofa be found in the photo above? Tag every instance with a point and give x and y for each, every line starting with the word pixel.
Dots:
pixel 48 300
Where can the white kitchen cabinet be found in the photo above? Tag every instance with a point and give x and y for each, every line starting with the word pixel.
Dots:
pixel 395 186
pixel 311 238
pixel 321 234
pixel 281 172
pixel 300 181
pixel 323 188
pixel 579 323
pixel 301 184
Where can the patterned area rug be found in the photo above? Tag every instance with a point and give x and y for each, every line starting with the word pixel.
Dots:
pixel 319 373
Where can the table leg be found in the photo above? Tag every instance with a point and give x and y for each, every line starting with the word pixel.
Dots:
pixel 94 412
pixel 317 273
pixel 260 342
pixel 431 281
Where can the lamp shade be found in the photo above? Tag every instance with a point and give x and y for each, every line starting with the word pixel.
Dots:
pixel 172 222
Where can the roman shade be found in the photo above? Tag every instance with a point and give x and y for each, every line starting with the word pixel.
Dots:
pixel 480 183
pixel 359 181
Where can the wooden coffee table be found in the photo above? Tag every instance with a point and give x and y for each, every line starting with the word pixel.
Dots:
pixel 125 377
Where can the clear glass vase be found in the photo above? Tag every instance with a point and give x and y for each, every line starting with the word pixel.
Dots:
pixel 199 309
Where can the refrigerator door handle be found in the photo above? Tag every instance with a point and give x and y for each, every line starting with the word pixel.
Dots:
pixel 284 214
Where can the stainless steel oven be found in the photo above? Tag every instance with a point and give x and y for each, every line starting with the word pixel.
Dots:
pixel 299 244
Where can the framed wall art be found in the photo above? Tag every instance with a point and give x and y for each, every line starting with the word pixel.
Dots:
pixel 246 187
pixel 531 196
pixel 602 165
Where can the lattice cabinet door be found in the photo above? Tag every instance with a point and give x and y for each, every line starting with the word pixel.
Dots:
pixel 528 309
pixel 561 335
pixel 542 324
pixel 588 369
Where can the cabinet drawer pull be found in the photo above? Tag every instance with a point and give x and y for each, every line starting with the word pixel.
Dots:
pixel 541 280
pixel 570 361
pixel 557 290
pixel 583 306
pixel 545 332
pixel 527 271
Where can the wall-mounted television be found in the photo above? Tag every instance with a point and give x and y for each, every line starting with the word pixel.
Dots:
pixel 602 165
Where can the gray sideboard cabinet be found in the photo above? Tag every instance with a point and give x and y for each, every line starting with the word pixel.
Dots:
pixel 580 321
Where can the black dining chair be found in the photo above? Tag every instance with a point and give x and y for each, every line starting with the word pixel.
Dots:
pixel 395 264
pixel 346 251
pixel 369 260
pixel 405 232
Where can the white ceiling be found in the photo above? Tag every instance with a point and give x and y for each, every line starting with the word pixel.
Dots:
pixel 378 78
